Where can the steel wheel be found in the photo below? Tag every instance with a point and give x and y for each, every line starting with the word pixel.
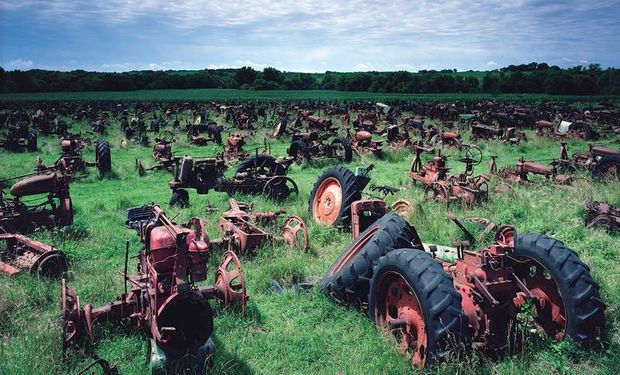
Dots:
pixel 398 309
pixel 327 201
pixel 230 282
pixel 292 228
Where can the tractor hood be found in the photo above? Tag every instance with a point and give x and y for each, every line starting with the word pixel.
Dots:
pixel 39 184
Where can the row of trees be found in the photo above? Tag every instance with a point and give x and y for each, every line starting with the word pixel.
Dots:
pixel 527 78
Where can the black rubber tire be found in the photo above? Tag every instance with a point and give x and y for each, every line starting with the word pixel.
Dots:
pixel 349 281
pixel 585 317
pixel 446 324
pixel 348 151
pixel 180 197
pixel 299 148
pixel 265 162
pixel 351 193
pixel 599 171
pixel 31 141
pixel 103 157
pixel 590 134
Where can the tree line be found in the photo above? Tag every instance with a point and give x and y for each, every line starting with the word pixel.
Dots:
pixel 526 78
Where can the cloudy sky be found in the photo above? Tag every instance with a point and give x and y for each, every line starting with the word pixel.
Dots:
pixel 309 36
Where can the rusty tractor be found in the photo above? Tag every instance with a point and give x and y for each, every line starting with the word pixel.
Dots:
pixel 313 145
pixel 214 134
pixel 562 129
pixel 71 159
pixel 21 252
pixel 361 142
pixel 49 203
pixel 164 301
pixel 464 188
pixel 260 174
pixel 520 173
pixel 508 135
pixel 602 162
pixel 397 138
pixel 319 123
pixel 434 137
pixel 233 150
pixel 440 301
pixel 162 154
pixel 245 231
pixel 336 199
pixel 602 215
pixel 19 137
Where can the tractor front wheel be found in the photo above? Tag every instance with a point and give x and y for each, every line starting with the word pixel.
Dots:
pixel 180 197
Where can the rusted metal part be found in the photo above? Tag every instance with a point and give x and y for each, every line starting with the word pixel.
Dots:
pixel 234 148
pixel 313 145
pixel 362 143
pixel 71 159
pixel 600 160
pixel 602 215
pixel 364 213
pixel 244 231
pixel 520 173
pixel 402 207
pixel 21 252
pixel 54 207
pixel 106 369
pixel 164 300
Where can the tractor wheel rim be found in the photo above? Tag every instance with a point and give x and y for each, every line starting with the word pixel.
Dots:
pixel 549 312
pixel 398 309
pixel 327 201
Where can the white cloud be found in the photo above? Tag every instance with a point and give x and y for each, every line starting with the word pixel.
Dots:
pixel 492 65
pixel 20 64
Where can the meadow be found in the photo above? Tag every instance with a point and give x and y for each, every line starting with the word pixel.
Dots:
pixel 297 332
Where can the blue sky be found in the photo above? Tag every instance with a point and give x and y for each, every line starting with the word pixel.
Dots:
pixel 308 36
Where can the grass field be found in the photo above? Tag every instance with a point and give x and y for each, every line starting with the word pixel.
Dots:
pixel 278 95
pixel 296 332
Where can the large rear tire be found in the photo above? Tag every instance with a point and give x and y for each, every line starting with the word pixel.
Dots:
pixel 415 300
pixel 332 195
pixel 299 151
pixel 348 277
pixel 568 299
pixel 103 158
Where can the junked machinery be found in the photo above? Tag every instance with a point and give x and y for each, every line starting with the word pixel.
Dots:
pixel 440 301
pixel 21 252
pixel 260 174
pixel 602 215
pixel 245 231
pixel 71 159
pixel 39 200
pixel 313 145
pixel 164 301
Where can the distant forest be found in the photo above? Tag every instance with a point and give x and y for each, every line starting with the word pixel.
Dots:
pixel 526 78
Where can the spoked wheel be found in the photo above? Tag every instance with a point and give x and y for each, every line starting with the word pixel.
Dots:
pixel 295 232
pixel 72 316
pixel 230 282
pixel 402 207
pixel 279 188
pixel 474 154
pixel 566 298
pixel 414 299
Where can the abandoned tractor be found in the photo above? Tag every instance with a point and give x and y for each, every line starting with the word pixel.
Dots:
pixel 439 301
pixel 522 171
pixel 319 123
pixel 261 174
pixel 602 162
pixel 435 137
pixel 162 154
pixel 336 199
pixel 361 142
pixel 71 159
pixel 507 135
pixel 315 145
pixel 18 137
pixel 214 134
pixel 21 252
pixel 602 215
pixel 164 301
pixel 245 231
pixel 397 138
pixel 233 150
pixel 579 130
pixel 49 204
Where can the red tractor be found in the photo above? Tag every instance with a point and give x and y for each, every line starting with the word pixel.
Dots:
pixel 602 162
pixel 164 302
pixel 49 204
pixel 362 143
pixel 71 159
pixel 440 301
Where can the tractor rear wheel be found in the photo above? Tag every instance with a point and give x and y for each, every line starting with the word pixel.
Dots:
pixel 567 299
pixel 414 299
pixel 31 141
pixel 342 149
pixel 332 195
pixel 262 164
pixel 607 167
pixel 299 151
pixel 103 157
pixel 180 197
pixel 348 277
